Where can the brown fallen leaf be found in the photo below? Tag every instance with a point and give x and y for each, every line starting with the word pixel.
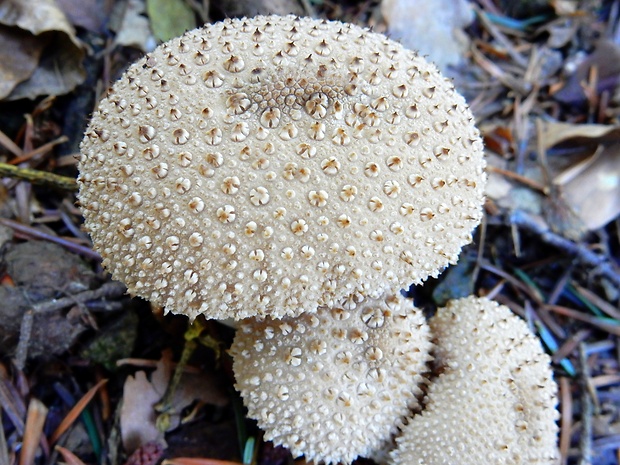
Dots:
pixel 58 53
pixel 22 50
pixel 140 395
pixel 588 179
pixel 554 133
pixel 593 190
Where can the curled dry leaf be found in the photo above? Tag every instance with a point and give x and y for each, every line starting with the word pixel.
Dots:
pixel 579 171
pixel 52 38
pixel 589 180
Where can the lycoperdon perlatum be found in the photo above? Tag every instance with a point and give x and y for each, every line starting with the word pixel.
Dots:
pixel 272 165
pixel 335 384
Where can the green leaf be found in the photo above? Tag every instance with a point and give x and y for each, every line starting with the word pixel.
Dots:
pixel 170 18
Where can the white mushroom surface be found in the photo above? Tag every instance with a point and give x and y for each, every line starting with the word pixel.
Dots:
pixel 335 384
pixel 495 400
pixel 270 165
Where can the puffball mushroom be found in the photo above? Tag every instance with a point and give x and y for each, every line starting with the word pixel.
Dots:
pixel 334 384
pixel 495 400
pixel 272 165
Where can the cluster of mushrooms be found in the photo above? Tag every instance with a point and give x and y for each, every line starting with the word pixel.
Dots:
pixel 296 174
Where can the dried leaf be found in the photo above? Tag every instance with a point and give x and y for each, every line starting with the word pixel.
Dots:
pixel 58 72
pixel 590 183
pixel 19 55
pixel 170 18
pixel 58 52
pixel 140 396
pixel 44 16
pixel 555 133
pixel 132 27
pixel 137 412
pixel 594 192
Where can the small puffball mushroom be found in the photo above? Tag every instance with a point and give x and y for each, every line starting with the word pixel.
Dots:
pixel 495 400
pixel 335 384
pixel 267 166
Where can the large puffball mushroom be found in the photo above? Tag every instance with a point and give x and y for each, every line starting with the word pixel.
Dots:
pixel 335 384
pixel 270 165
pixel 495 400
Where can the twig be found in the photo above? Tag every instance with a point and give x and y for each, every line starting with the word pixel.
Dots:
pixel 601 263
pixel 522 179
pixel 112 289
pixel 33 233
pixel 508 80
pixel 585 442
pixel 39 150
pixel 11 146
pixel 109 290
pixel 25 331
pixel 501 38
pixel 38 177
pixel 598 322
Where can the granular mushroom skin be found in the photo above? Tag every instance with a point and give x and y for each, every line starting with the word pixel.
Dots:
pixel 270 165
pixel 495 399
pixel 335 384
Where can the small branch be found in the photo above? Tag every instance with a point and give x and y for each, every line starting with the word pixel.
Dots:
pixel 109 290
pixel 38 177
pixel 601 263
pixel 25 332
pixel 34 233
pixel 585 441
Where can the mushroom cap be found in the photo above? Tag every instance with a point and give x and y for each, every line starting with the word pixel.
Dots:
pixel 334 384
pixel 270 165
pixel 496 397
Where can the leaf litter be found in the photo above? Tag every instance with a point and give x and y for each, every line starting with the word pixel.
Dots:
pixel 542 80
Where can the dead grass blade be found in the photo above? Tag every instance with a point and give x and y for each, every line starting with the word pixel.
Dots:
pixel 75 412
pixel 69 457
pixel 566 402
pixel 606 324
pixel 35 419
pixel 12 405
